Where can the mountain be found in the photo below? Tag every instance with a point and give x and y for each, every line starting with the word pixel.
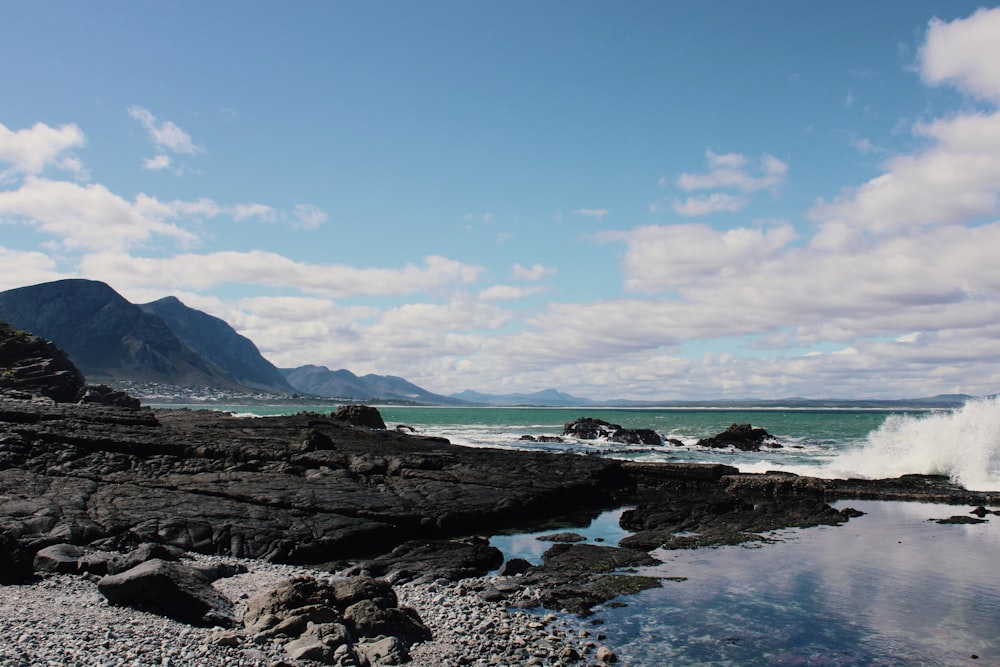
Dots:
pixel 321 381
pixel 106 336
pixel 551 398
pixel 219 343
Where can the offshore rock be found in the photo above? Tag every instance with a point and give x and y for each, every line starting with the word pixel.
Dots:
pixel 589 428
pixel 360 415
pixel 744 437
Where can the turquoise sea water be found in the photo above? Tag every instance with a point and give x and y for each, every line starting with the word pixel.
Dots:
pixel 962 443
pixel 891 587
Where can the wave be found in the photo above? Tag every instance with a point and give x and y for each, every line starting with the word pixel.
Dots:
pixel 963 444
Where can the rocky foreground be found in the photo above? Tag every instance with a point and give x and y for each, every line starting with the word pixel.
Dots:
pixel 107 502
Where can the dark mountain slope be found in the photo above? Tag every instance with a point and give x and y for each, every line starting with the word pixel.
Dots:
pixel 105 335
pixel 220 344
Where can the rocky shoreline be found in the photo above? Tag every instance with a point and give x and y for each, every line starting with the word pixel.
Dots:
pixel 123 497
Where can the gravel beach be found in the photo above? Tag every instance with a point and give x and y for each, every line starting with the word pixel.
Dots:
pixel 62 620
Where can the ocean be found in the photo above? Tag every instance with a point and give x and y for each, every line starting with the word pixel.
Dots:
pixel 891 587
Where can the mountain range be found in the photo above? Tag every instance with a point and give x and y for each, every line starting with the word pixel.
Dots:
pixel 114 341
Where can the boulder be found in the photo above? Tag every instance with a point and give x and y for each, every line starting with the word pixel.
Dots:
pixel 360 415
pixel 335 622
pixel 71 559
pixel 179 591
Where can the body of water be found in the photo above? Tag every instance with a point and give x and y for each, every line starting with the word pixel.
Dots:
pixel 963 443
pixel 891 587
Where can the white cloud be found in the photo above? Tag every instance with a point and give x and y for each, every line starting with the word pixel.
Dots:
pixel 253 210
pixel 507 292
pixel 30 151
pixel 955 179
pixel 157 163
pixel 965 53
pixel 486 218
pixel 309 216
pixel 26 268
pixel 728 172
pixel 713 203
pixel 201 272
pixel 532 273
pixel 90 217
pixel 597 213
pixel 664 258
pixel 164 135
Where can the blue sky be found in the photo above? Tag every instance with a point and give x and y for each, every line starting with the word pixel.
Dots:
pixel 642 200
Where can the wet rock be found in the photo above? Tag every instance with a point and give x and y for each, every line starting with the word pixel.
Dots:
pixel 589 428
pixel 562 537
pixel 360 415
pixel 744 437
pixel 514 566
pixel 960 519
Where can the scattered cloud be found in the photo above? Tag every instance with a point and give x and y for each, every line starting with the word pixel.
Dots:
pixel 728 171
pixel 309 216
pixel 156 163
pixel 257 267
pixel 261 211
pixel 597 213
pixel 31 150
pixel 532 273
pixel 714 203
pixel 507 292
pixel 485 218
pixel 164 135
pixel 964 53
pixel 91 217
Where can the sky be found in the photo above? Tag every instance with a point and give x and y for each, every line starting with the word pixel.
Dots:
pixel 643 200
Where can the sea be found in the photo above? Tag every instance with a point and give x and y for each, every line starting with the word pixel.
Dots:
pixel 891 587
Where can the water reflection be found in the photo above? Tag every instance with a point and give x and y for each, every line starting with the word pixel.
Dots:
pixel 888 588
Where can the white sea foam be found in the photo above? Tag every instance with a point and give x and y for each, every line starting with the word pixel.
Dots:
pixel 963 444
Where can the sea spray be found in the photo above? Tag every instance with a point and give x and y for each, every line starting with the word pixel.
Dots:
pixel 963 444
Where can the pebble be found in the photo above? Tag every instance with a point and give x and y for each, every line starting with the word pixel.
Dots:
pixel 62 620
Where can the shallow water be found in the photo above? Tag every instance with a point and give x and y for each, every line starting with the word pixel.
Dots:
pixel 887 588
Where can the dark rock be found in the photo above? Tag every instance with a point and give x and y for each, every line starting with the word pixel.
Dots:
pixel 593 558
pixel 740 436
pixel 360 415
pixel 36 366
pixel 15 562
pixel 106 395
pixel 71 559
pixel 589 428
pixel 452 560
pixel 384 651
pixel 562 537
pixel 367 619
pixel 960 519
pixel 514 566
pixel 179 591
pixel 326 621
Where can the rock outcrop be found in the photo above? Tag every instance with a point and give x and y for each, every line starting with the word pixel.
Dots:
pixel 589 428
pixel 35 366
pixel 744 437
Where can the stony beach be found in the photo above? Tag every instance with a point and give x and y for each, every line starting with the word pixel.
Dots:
pixel 63 620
